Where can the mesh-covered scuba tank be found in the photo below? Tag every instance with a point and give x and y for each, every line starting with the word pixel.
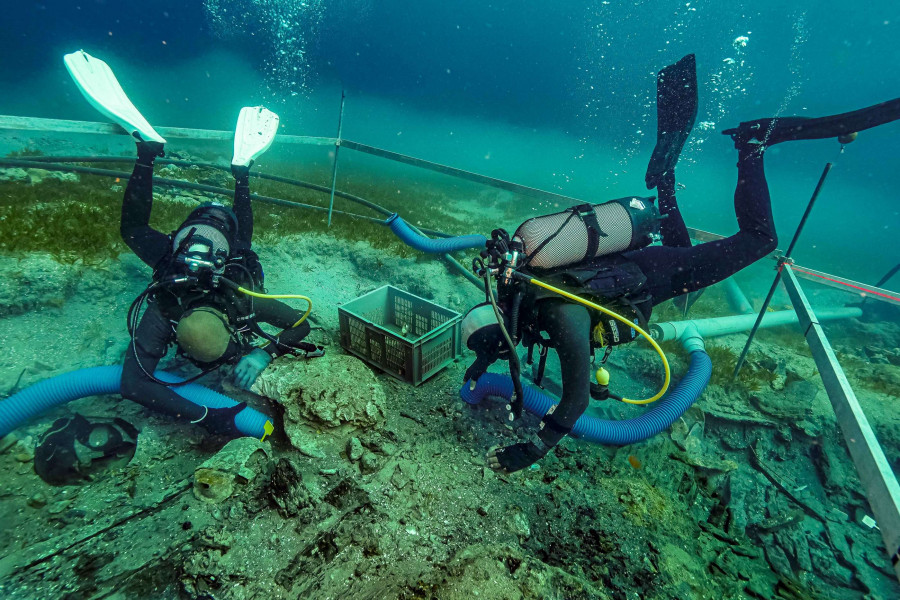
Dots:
pixel 587 231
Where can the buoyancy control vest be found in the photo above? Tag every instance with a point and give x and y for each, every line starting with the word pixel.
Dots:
pixel 613 282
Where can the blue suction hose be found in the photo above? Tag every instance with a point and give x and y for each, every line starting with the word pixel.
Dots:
pixel 601 431
pixel 44 395
pixel 424 244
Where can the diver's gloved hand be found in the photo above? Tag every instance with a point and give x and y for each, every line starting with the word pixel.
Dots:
pixel 249 368
pixel 484 358
pixel 148 151
pixel 220 421
pixel 516 457
pixel 496 247
pixel 241 172
pixel 474 373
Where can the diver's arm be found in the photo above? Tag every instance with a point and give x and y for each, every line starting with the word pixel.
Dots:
pixel 149 244
pixel 243 207
pixel 279 314
pixel 292 337
pixel 569 327
pixel 149 346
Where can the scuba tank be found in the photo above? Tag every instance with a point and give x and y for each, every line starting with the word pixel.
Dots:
pixel 587 231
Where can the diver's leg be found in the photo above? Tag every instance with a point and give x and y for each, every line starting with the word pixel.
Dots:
pixel 151 341
pixel 149 346
pixel 766 132
pixel 672 228
pixel 149 244
pixel 675 271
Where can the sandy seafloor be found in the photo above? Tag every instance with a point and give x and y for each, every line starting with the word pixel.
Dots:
pixel 751 494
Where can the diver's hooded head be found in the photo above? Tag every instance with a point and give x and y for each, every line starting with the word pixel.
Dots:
pixel 203 334
pixel 481 333
pixel 213 223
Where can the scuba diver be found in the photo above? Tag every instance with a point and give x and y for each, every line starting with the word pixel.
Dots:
pixel 601 252
pixel 206 295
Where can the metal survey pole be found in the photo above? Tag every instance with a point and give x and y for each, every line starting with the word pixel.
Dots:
pixel 872 466
pixel 786 259
pixel 337 147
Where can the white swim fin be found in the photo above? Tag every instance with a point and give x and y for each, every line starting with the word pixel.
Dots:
pixel 101 88
pixel 254 134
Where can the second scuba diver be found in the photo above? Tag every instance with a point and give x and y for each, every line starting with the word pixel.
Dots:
pixel 205 294
pixel 567 248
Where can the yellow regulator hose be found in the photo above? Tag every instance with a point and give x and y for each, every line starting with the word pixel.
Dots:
pixel 282 297
pixel 618 317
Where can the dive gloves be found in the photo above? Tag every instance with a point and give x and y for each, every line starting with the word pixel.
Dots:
pixel 249 368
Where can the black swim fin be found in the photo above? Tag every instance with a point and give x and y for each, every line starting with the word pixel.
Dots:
pixel 676 111
pixel 766 132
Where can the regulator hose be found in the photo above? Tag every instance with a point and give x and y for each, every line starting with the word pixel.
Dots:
pixel 618 317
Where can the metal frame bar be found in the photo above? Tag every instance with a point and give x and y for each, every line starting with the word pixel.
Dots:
pixel 63 126
pixel 878 480
pixel 337 149
pixel 820 277
pixel 459 173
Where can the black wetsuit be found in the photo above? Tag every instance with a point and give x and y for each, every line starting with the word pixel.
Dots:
pixel 155 332
pixel 673 269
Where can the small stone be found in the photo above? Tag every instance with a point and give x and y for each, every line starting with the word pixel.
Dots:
pixel 59 507
pixel 24 457
pixel 7 442
pixel 369 462
pixel 518 524
pixel 37 500
pixel 354 449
